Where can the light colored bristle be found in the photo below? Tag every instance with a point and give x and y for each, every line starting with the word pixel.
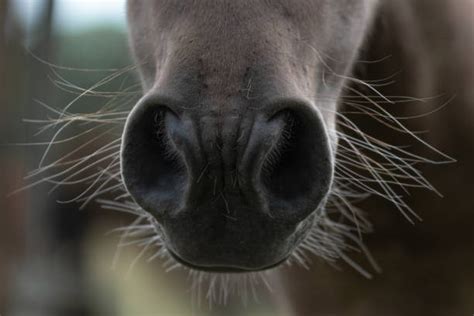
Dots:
pixel 364 166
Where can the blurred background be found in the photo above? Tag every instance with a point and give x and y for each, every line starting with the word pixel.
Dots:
pixel 59 259
pixel 54 258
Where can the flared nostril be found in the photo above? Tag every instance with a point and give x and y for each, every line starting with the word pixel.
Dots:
pixel 153 168
pixel 297 172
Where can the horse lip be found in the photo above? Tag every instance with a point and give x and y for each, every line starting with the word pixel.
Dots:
pixel 224 269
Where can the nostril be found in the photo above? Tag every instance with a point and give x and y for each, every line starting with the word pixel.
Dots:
pixel 281 162
pixel 166 146
pixel 286 169
pixel 152 167
pixel 297 171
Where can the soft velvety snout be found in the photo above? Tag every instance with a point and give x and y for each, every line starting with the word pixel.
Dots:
pixel 231 192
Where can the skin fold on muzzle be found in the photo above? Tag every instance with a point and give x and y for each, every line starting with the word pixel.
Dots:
pixel 231 147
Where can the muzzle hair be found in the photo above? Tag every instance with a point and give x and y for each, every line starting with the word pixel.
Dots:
pixel 364 166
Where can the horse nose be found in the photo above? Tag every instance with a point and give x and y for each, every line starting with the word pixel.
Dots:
pixel 215 183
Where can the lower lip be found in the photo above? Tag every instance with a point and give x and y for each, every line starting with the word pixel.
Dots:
pixel 223 269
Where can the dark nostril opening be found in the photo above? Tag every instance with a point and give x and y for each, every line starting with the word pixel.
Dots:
pixel 152 166
pixel 169 162
pixel 286 171
pixel 297 171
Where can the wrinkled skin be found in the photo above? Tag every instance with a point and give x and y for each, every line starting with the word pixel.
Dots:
pixel 231 148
